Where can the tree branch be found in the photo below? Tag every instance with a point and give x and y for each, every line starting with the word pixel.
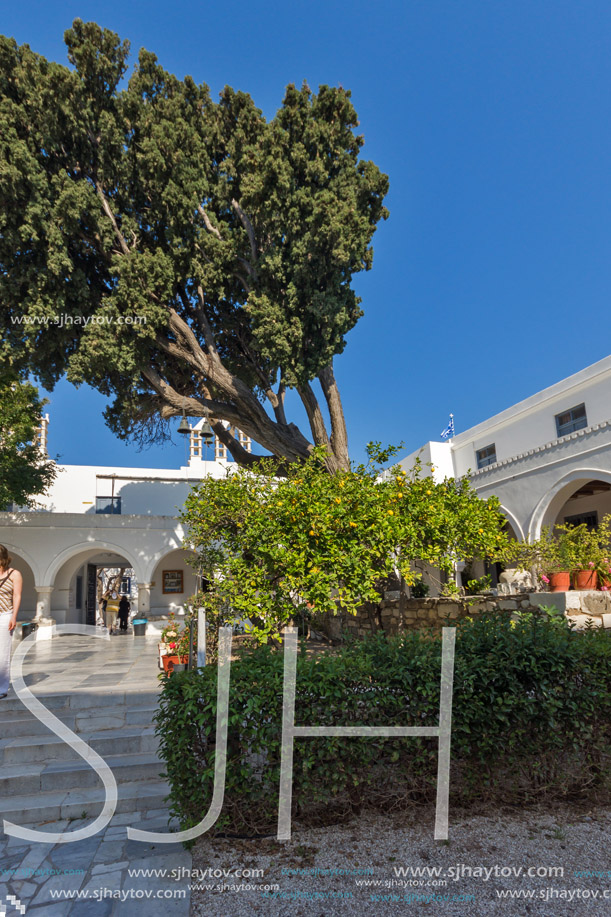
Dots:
pixel 272 397
pixel 317 423
pixel 237 450
pixel 203 320
pixel 248 227
pixel 175 403
pixel 281 394
pixel 182 330
pixel 339 436
pixel 111 217
pixel 207 223
pixel 279 440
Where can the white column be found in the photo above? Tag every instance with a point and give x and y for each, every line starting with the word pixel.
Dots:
pixel 43 612
pixel 144 598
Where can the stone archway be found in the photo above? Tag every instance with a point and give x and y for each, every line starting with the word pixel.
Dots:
pixel 581 493
pixel 513 526
pixel 71 596
pixel 72 555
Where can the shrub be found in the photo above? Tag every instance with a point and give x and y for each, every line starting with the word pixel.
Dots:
pixel 272 547
pixel 531 718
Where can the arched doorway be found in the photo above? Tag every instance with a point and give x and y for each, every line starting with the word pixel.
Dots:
pixel 588 504
pixel 488 569
pixel 580 498
pixel 76 580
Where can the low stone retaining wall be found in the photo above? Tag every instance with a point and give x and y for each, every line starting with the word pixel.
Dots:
pixel 397 613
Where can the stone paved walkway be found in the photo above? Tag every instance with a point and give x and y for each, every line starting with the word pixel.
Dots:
pixel 99 867
pixel 39 874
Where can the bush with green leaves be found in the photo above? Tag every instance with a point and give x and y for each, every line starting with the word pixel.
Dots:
pixel 531 720
pixel 24 472
pixel 273 547
pixel 565 548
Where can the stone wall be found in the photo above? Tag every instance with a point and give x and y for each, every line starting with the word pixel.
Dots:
pixel 398 613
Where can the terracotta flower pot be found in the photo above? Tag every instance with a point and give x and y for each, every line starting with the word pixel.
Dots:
pixel 170 661
pixel 585 579
pixel 559 582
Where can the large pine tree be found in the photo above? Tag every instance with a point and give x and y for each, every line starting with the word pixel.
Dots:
pixel 176 253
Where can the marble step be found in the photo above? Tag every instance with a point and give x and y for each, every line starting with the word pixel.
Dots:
pixel 13 724
pixel 79 701
pixel 18 779
pixel 45 748
pixel 140 796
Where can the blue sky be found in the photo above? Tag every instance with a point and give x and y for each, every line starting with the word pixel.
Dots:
pixel 492 276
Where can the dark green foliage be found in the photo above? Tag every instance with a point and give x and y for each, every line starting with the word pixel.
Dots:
pixel 532 717
pixel 24 473
pixel 201 253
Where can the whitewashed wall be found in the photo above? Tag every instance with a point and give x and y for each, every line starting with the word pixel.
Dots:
pixel 76 487
pixel 536 472
pixel 532 423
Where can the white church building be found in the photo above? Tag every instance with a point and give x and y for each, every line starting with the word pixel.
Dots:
pixel 547 458
pixel 96 517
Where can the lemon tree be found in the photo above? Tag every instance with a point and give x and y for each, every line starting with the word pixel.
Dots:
pixel 272 547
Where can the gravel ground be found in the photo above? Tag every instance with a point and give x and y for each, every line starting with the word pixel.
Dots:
pixel 373 848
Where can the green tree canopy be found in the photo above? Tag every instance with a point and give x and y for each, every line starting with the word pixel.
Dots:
pixel 271 547
pixel 201 256
pixel 24 472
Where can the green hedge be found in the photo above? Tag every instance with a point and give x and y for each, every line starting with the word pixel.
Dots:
pixel 531 719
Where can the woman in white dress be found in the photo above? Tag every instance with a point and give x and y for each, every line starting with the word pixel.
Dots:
pixel 11 585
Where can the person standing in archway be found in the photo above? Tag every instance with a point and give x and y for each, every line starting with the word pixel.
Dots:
pixel 11 585
pixel 124 607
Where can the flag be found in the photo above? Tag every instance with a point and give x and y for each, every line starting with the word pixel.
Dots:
pixel 449 430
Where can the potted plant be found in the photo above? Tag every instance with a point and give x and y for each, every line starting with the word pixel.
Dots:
pixel 556 560
pixel 603 567
pixel 171 632
pixel 551 556
pixel 183 652
pixel 586 554
pixel 168 646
